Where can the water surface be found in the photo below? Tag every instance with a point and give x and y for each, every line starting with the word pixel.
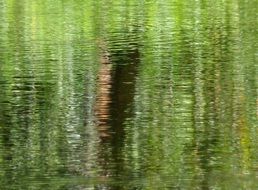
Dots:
pixel 128 95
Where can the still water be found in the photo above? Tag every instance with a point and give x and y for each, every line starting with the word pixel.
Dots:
pixel 132 94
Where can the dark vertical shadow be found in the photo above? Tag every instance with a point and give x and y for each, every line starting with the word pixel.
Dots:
pixel 123 91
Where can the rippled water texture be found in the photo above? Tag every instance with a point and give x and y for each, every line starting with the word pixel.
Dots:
pixel 132 94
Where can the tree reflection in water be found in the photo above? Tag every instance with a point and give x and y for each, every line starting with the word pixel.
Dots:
pixel 103 100
pixel 115 89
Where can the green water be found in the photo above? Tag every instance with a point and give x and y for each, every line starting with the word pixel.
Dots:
pixel 175 107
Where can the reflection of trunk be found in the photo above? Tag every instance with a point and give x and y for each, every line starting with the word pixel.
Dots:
pixel 102 107
pixel 103 100
pixel 116 83
pixel 115 94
